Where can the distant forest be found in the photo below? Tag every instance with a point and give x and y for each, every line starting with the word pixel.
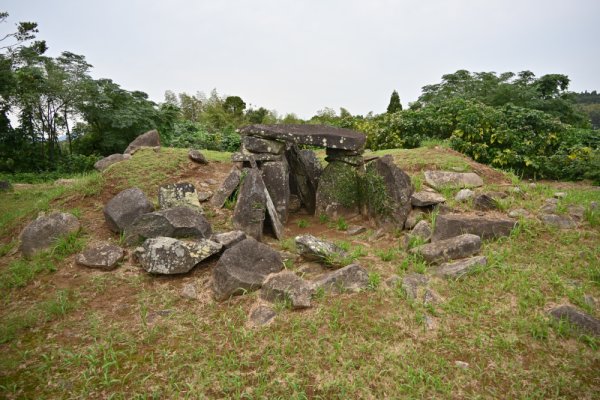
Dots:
pixel 55 119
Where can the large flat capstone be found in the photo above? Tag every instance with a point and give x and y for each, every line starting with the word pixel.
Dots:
pixel 486 227
pixel 315 135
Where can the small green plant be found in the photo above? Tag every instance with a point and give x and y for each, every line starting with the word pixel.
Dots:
pixel 288 244
pixel 288 264
pixel 341 224
pixel 302 223
pixel 374 280
pixel 323 219
pixel 592 216
pixel 386 255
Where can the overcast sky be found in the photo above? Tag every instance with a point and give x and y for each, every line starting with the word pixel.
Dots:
pixel 302 56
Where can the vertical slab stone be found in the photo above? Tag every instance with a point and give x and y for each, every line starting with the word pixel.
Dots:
pixel 306 170
pixel 227 188
pixel 338 192
pixel 276 177
pixel 250 209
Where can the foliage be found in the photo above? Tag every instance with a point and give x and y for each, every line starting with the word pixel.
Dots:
pixel 395 104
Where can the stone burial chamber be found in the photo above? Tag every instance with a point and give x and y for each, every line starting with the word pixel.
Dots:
pixel 274 174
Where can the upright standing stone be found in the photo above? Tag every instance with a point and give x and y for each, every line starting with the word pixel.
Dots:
pixel 305 175
pixel 338 192
pixel 398 188
pixel 276 177
pixel 227 188
pixel 249 212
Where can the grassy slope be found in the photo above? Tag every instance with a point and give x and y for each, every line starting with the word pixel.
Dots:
pixel 76 333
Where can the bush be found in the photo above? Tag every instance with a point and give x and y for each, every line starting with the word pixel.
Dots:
pixel 189 134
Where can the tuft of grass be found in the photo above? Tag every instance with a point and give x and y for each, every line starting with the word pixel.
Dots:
pixel 323 219
pixel 303 223
pixel 341 224
pixel 386 255
pixel 374 280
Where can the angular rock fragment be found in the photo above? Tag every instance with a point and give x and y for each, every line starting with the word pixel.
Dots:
pixel 227 188
pixel 351 278
pixel 148 139
pixel 243 268
pixel 354 230
pixel 518 213
pixel 426 198
pixel 558 221
pixel 577 317
pixel 168 256
pixel 43 232
pixel 305 174
pixel 229 239
pixel 197 157
pixel 485 202
pixel 261 315
pixel 189 291
pixel 464 195
pixel 250 209
pixel 102 255
pixel 312 248
pixel 276 178
pixel 486 227
pixel 106 162
pixel 178 194
pixel 204 195
pixel 450 249
pixel 260 145
pixel 411 284
pixel 458 180
pixel 125 207
pixel 287 286
pixel 422 230
pixel 414 216
pixel 461 267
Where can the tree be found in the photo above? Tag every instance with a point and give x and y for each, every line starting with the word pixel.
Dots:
pixel 395 104
pixel 234 105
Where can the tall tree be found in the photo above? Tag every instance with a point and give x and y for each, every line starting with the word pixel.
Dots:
pixel 395 104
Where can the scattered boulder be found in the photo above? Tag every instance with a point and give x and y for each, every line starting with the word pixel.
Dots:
pixel 315 135
pixel 422 230
pixel 560 195
pixel 450 249
pixel 558 221
pixel 229 239
pixel 351 278
pixel 148 139
pixel 102 255
pixel 243 268
pixel 287 286
pixel 485 202
pixel 106 162
pixel 398 188
pixel 168 256
pixel 550 206
pixel 354 230
pixel 197 157
pixel 261 315
pixel 275 175
pixel 576 317
pixel 411 284
pixel 204 195
pixel 486 227
pixel 227 188
pixel 260 145
pixel 125 207
pixel 413 218
pixel 43 232
pixel 312 248
pixel 519 213
pixel 457 180
pixel 250 209
pixel 189 291
pixel 178 194
pixel 426 198
pixel 576 211
pixel 338 191
pixel 459 268
pixel 392 282
pixel 5 186
pixel 464 195
pixel 177 222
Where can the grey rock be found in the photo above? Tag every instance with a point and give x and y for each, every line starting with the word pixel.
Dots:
pixel 106 162
pixel 260 145
pixel 211 181
pixel 5 186
pixel 204 195
pixel 125 207
pixel 550 206
pixel 43 232
pixel 426 198
pixel 461 364
pixel 392 282
pixel 287 286
pixel 229 239
pixel 486 227
pixel 178 194
pixel 413 218
pixel 276 178
pixel 558 221
pixel 148 139
pixel 312 248
pixel 560 195
pixel 351 278
pixel 458 180
pixel 102 255
pixel 168 256
pixel 250 209
pixel 197 157
pixel 464 195
pixel 189 291
pixel 519 213
pixel 273 216
pixel 576 211
pixel 354 230
pixel 459 268
pixel 253 157
pixel 305 173
pixel 577 317
pixel 338 191
pixel 315 135
pixel 398 188
pixel 430 297
pixel 450 249
pixel 354 161
pixel 485 202
pixel 243 268
pixel 422 230
pixel 294 204
pixel 227 188
pixel 177 222
pixel 412 283
pixel 261 315
pixel 590 301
